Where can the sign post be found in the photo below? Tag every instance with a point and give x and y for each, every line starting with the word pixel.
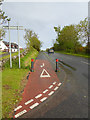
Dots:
pixel 89 22
pixel 13 28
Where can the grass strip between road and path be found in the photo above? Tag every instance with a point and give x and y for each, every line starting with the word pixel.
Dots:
pixel 13 84
pixel 79 55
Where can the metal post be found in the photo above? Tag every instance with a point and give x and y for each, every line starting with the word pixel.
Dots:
pixel 32 65
pixel 89 22
pixel 18 46
pixel 56 65
pixel 9 45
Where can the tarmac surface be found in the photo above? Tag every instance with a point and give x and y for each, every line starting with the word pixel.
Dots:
pixel 67 98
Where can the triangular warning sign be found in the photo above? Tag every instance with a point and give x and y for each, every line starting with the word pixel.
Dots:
pixel 44 73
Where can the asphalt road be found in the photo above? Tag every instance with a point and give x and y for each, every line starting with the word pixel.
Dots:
pixel 76 86
pixel 71 99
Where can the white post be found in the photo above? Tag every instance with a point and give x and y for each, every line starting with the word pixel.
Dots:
pixel 10 46
pixel 18 46
pixel 89 21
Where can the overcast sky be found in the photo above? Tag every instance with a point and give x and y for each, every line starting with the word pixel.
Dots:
pixel 42 17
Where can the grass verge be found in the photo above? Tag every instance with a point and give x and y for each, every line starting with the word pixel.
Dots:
pixel 79 55
pixel 13 83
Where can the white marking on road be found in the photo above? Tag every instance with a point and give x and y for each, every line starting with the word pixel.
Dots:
pixel 28 102
pixel 18 108
pixel 42 65
pixel 85 62
pixel 47 74
pixel 55 88
pixel 54 83
pixel 34 105
pixel 45 91
pixel 38 96
pixel 59 84
pixel 50 86
pixel 43 99
pixel 21 113
pixel 51 93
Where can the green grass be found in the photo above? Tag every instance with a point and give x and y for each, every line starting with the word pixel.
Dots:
pixel 79 55
pixel 11 86
pixel 2 53
pixel 13 54
pixel 13 82
pixel 0 95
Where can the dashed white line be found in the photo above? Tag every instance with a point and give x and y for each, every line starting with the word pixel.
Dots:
pixel 50 86
pixel 26 103
pixel 34 105
pixel 45 91
pixel 51 93
pixel 54 83
pixel 43 99
pixel 18 108
pixel 59 84
pixel 21 113
pixel 38 96
pixel 85 62
pixel 56 88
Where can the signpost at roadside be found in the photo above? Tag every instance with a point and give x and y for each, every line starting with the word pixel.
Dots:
pixel 89 22
pixel 13 28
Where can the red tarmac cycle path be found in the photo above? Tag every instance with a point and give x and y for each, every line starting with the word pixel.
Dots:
pixel 38 89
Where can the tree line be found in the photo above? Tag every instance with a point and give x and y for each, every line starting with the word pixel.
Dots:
pixel 71 38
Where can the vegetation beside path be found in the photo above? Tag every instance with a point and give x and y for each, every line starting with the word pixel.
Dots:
pixel 78 54
pixel 14 81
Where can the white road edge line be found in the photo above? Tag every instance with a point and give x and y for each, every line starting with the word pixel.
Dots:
pixel 51 93
pixel 59 84
pixel 45 91
pixel 50 86
pixel 26 103
pixel 43 99
pixel 56 88
pixel 18 108
pixel 54 83
pixel 38 96
pixel 21 113
pixel 34 105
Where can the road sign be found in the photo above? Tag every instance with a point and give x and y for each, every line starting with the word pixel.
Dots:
pixel 13 27
pixel 44 74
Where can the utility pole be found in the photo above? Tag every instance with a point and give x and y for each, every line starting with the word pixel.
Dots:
pixel 9 42
pixel 18 45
